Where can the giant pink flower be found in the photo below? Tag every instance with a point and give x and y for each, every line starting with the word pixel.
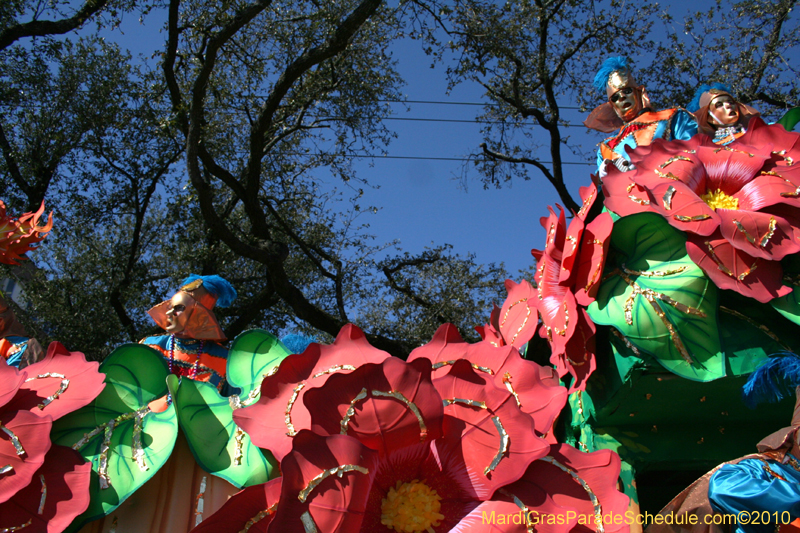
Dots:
pixel 389 447
pixel 43 486
pixel 568 274
pixel 739 204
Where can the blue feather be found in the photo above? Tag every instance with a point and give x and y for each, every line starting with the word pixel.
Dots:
pixel 216 285
pixel 694 105
pixel 297 343
pixel 773 381
pixel 609 65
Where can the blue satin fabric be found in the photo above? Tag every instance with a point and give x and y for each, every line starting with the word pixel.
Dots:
pixel 22 344
pixel 748 486
pixel 680 127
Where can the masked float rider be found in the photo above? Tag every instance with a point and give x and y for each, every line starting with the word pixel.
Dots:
pixel 628 112
pixel 719 115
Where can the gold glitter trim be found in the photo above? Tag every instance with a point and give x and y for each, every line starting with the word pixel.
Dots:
pixel 695 218
pixel 562 332
pixel 332 370
pixel 598 511
pixel 423 430
pixel 138 449
pixel 16 528
pixel 690 151
pixel 55 395
pixel 6 469
pixel 14 439
pixel 725 269
pixel 755 324
pixel 527 315
pixel 238 452
pixel 523 508
pixel 102 470
pixel 260 516
pixel 551 233
pixel 654 273
pixel 470 403
pixel 200 502
pixel 771 173
pixel 729 149
pixel 639 201
pixel 668 198
pixel 586 204
pixel 764 240
pixel 674 159
pixel 786 159
pixel 541 276
pixel 308 523
pixel 351 411
pixel 668 175
pixel 599 267
pixel 338 471
pixel 630 187
pixel 628 344
pixel 484 369
pixel 652 296
pixel 510 387
pixel 44 495
pixel 287 414
pixel 503 450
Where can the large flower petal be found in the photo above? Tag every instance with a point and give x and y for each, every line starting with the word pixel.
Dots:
pixel 517 318
pixel 684 209
pixel 280 412
pixel 10 381
pixel 251 510
pixel 624 196
pixel 24 441
pixel 497 438
pixel 735 270
pixel 578 358
pixel 57 494
pixel 60 383
pixel 570 480
pixel 770 189
pixel 559 319
pixel 500 517
pixel 385 406
pixel 728 168
pixel 326 480
pixel 759 234
pixel 538 391
pixel 594 251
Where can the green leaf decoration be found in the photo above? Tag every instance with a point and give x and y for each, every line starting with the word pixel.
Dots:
pixel 659 299
pixel 219 446
pixel 790 119
pixel 253 355
pixel 789 305
pixel 125 442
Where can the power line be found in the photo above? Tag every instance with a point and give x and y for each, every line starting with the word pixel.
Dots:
pixel 482 104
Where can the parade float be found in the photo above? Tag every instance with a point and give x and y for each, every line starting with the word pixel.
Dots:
pixel 606 384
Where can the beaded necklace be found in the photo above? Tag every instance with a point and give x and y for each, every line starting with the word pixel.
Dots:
pixel 196 364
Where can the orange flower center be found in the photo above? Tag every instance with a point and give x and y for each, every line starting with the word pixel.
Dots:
pixel 411 507
pixel 719 200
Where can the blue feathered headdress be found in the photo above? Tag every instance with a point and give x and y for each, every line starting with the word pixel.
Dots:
pixel 612 64
pixel 217 286
pixel 773 381
pixel 694 105
pixel 297 343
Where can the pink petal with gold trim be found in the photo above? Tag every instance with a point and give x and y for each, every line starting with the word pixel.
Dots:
pixel 254 506
pixel 517 318
pixel 684 209
pixel 596 240
pixel 33 435
pixel 386 400
pixel 282 393
pixel 759 234
pixel 735 270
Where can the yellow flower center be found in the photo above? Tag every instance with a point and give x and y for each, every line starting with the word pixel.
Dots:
pixel 411 507
pixel 719 200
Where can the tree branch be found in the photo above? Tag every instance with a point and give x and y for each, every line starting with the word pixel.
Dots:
pixel 40 28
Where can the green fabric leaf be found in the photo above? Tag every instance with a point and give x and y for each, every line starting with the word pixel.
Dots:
pixel 790 119
pixel 653 275
pixel 219 446
pixel 789 305
pixel 252 355
pixel 135 375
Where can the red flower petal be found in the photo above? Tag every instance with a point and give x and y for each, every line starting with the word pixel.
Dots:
pixel 496 517
pixel 569 252
pixel 336 503
pixel 748 230
pixel 557 482
pixel 517 319
pixel 588 196
pixel 254 505
pixel 489 334
pixel 578 357
pixel 684 209
pixel 767 190
pixel 81 383
pixel 594 251
pixel 392 394
pixel 559 319
pixel 484 432
pixel 730 168
pixel 266 420
pixel 623 196
pixel 33 434
pixel 57 494
pixel 540 395
pixel 10 381
pixel 735 270
pixel 556 227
